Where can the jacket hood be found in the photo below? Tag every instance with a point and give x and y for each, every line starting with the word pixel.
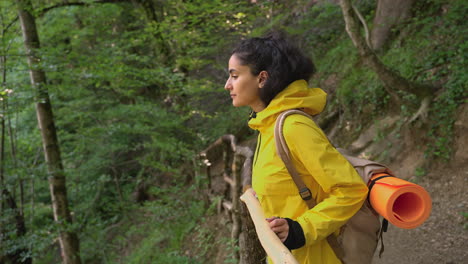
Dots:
pixel 296 95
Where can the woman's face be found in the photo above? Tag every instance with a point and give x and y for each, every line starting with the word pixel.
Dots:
pixel 243 86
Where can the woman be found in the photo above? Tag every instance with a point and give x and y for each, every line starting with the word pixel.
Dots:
pixel 270 76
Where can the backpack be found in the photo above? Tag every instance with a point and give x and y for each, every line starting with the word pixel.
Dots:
pixel 358 238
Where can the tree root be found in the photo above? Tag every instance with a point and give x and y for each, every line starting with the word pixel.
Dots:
pixel 423 110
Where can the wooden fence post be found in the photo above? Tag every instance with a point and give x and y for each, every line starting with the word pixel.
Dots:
pixel 237 174
pixel 235 194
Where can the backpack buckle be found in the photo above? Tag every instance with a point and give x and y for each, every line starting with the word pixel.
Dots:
pixel 305 194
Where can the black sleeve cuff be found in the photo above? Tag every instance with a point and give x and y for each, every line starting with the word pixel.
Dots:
pixel 296 238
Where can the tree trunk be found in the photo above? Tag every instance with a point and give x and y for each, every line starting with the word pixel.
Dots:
pixel 2 150
pixel 392 81
pixel 388 14
pixel 236 209
pixel 69 243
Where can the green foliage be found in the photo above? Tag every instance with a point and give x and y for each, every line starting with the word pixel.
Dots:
pixel 465 218
pixel 419 172
pixel 361 90
pixel 318 28
pixel 176 212
pixel 446 64
pixel 360 94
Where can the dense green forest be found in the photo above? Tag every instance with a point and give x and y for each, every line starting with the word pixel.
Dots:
pixel 128 92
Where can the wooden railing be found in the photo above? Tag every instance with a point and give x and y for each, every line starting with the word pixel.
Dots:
pixel 237 175
pixel 250 231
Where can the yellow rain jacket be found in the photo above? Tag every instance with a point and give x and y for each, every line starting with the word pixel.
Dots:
pixel 335 185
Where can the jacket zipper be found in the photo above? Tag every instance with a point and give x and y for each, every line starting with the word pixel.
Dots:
pixel 259 143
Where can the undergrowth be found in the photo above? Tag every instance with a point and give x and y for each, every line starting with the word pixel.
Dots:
pixel 163 225
pixel 444 64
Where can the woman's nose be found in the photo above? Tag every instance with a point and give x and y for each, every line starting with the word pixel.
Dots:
pixel 228 85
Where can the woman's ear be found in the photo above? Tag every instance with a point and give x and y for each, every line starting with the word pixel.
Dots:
pixel 262 78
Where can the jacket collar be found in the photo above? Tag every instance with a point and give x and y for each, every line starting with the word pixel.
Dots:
pixel 294 96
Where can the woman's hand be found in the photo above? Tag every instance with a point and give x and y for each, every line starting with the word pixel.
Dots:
pixel 280 227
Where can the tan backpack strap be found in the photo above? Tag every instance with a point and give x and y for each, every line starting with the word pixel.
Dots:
pixel 285 155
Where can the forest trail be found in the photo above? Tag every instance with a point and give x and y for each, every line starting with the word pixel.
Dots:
pixel 443 237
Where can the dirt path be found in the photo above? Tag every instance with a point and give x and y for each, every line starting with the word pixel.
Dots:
pixel 443 238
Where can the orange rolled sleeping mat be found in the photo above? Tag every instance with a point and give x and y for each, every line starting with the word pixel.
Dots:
pixel 402 203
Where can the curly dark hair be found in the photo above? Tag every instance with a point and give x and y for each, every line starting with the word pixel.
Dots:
pixel 283 61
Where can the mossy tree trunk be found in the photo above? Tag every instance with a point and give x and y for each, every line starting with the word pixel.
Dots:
pixel 392 80
pixel 69 244
pixel 388 14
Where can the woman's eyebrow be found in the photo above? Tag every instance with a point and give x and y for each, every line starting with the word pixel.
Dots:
pixel 232 70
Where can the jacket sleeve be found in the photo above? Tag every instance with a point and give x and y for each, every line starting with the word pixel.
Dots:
pixel 341 191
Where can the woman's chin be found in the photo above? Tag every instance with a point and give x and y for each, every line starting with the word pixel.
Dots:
pixel 236 104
